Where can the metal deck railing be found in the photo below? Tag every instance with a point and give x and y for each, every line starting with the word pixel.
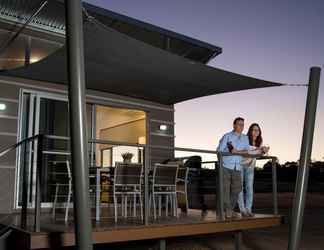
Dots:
pixel 35 152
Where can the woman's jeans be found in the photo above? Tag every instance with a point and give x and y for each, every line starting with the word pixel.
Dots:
pixel 245 201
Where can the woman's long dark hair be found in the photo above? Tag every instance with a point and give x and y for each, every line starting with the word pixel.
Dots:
pixel 259 139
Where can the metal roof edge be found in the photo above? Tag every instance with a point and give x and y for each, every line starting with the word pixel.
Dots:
pixel 145 25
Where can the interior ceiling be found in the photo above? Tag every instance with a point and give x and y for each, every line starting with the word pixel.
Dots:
pixel 121 112
pixel 108 117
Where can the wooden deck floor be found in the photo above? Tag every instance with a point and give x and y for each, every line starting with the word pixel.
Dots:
pixel 56 233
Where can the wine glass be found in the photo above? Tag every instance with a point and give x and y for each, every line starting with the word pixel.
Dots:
pixel 267 148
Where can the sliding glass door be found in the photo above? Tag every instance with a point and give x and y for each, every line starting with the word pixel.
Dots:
pixel 44 113
pixel 48 114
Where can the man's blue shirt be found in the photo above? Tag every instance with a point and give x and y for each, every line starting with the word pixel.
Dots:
pixel 239 142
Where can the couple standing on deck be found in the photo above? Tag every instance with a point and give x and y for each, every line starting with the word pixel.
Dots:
pixel 239 170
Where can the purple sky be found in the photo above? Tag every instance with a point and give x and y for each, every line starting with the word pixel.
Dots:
pixel 273 40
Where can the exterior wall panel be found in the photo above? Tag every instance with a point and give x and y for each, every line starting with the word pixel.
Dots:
pixel 8 126
pixel 10 158
pixel 11 107
pixel 10 89
pixel 7 183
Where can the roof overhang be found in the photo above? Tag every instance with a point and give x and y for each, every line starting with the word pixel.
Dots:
pixel 50 21
pixel 119 64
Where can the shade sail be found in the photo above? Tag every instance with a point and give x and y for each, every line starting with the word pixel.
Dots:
pixel 119 64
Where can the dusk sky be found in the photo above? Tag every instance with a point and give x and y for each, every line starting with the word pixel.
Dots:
pixel 273 40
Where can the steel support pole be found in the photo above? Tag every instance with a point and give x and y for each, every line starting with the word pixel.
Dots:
pixel 220 185
pixel 305 155
pixel 274 186
pixel 162 244
pixel 238 240
pixel 77 105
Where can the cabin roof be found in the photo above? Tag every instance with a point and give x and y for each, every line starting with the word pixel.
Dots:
pixel 52 19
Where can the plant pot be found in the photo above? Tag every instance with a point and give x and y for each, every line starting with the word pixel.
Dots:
pixel 127 160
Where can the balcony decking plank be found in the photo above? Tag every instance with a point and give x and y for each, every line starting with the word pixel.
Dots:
pixel 55 235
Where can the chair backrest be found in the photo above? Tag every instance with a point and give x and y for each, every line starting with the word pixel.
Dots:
pixel 165 174
pixel 62 172
pixel 183 173
pixel 68 169
pixel 128 173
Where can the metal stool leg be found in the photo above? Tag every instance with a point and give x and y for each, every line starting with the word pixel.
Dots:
pixel 55 200
pixel 175 204
pixel 68 204
pixel 122 205
pixel 166 205
pixel 115 207
pixel 154 206
pixel 125 206
pixel 141 205
pixel 160 205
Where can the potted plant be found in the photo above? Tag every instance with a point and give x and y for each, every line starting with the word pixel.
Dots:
pixel 127 157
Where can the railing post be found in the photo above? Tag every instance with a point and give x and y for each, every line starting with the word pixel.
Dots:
pixel 23 215
pixel 98 192
pixel 274 185
pixel 147 164
pixel 146 185
pixel 93 134
pixel 38 183
pixel 220 185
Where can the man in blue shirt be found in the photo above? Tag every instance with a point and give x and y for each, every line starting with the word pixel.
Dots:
pixel 233 142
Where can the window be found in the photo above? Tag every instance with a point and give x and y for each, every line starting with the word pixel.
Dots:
pixel 119 125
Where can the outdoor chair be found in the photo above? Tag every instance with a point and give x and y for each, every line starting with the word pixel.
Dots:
pixel 182 186
pixel 128 182
pixel 164 184
pixel 64 181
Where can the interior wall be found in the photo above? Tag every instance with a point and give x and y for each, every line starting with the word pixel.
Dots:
pixel 120 125
pixel 127 132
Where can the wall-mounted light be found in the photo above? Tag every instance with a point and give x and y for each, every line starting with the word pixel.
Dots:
pixel 163 127
pixel 141 140
pixel 3 106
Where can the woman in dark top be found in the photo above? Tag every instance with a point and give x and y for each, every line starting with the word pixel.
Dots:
pixel 245 202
